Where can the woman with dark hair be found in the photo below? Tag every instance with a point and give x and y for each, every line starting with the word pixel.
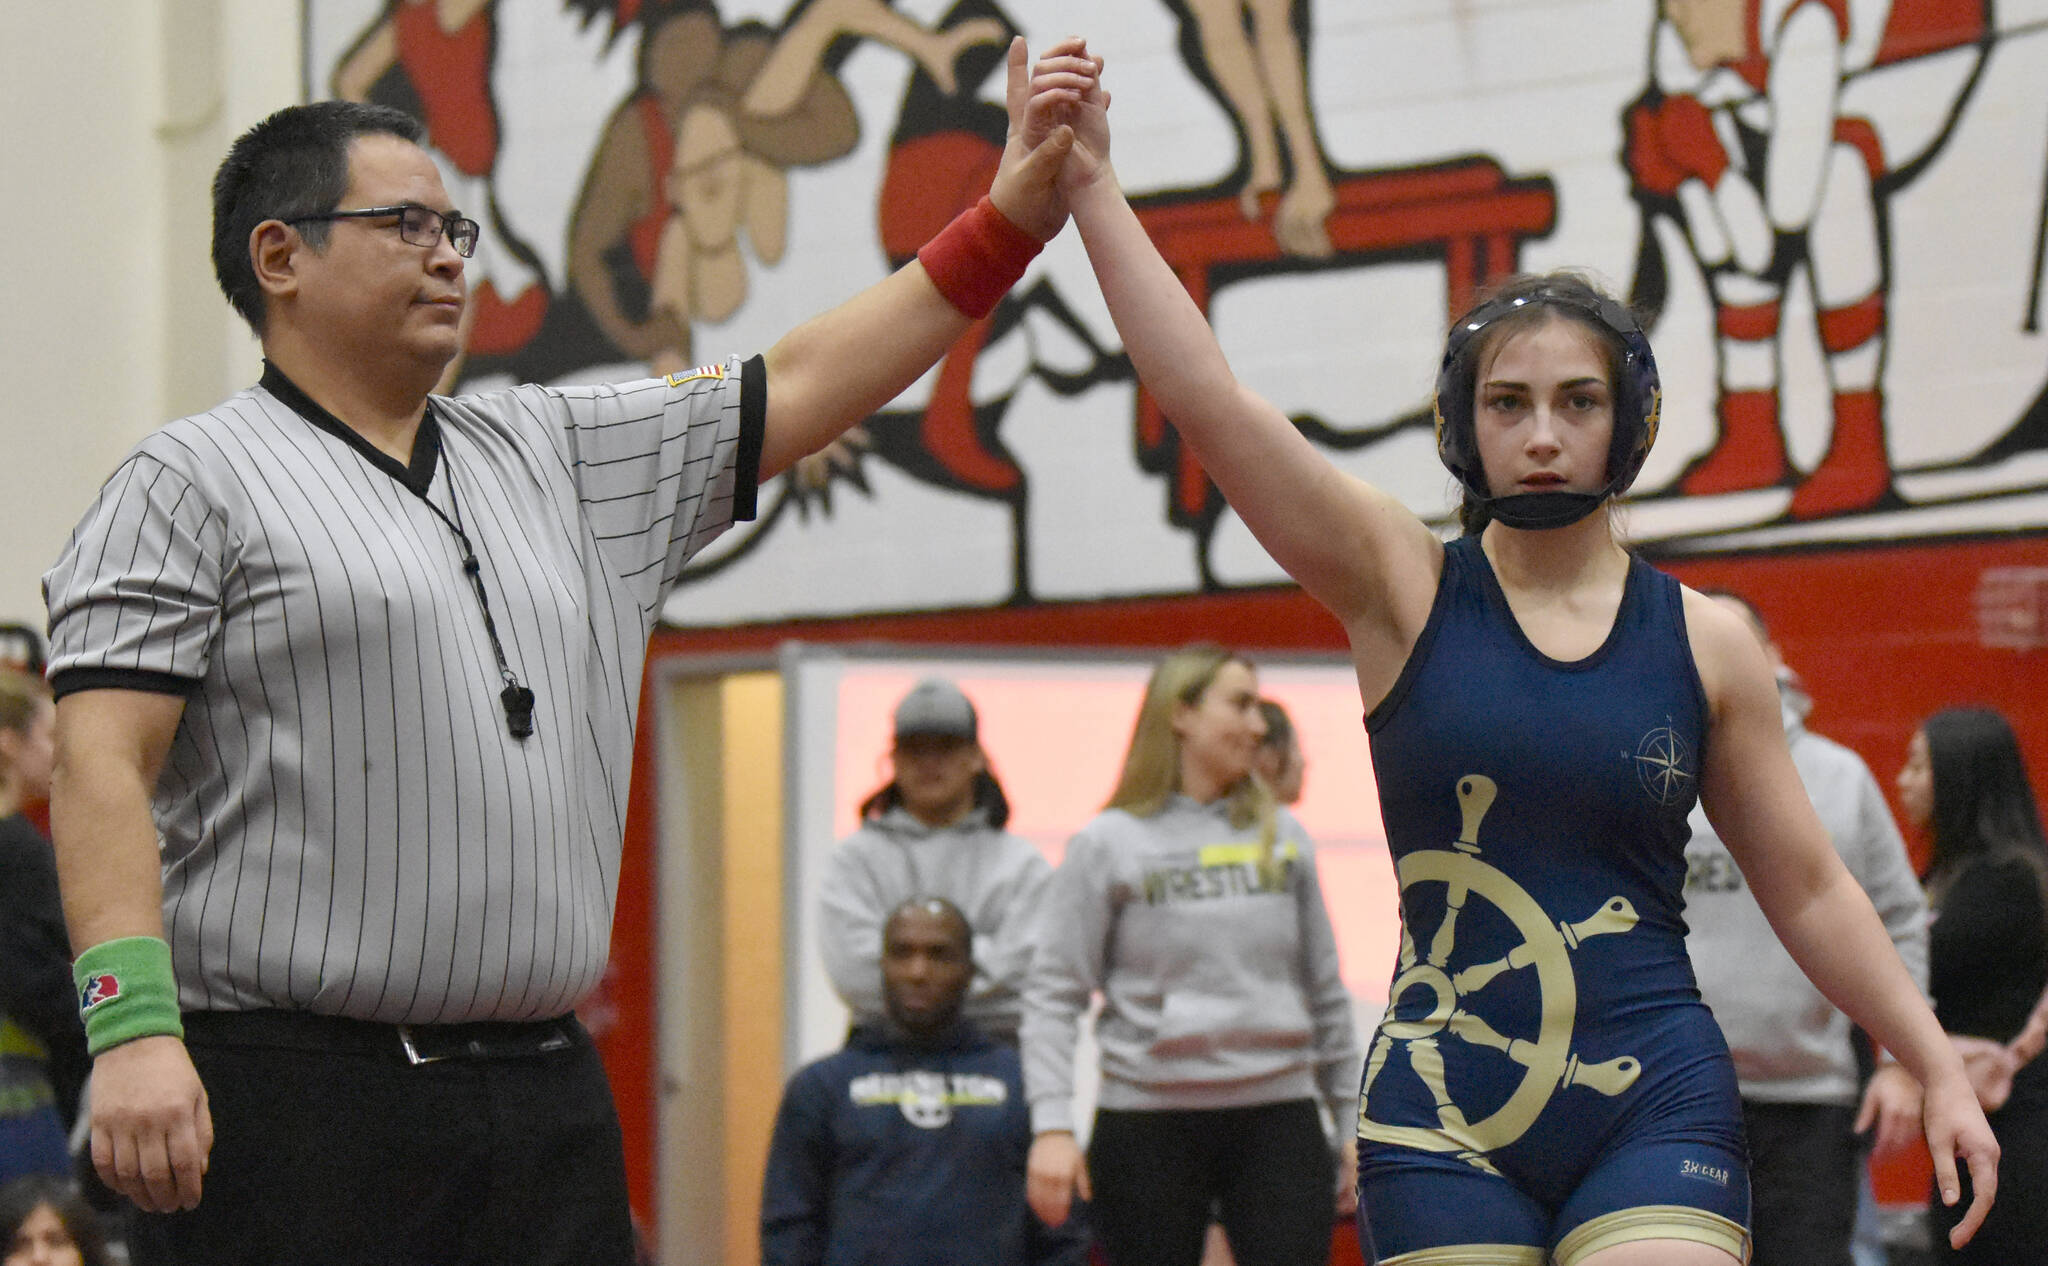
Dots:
pixel 1191 904
pixel 1280 761
pixel 45 1222
pixel 935 829
pixel 1545 709
pixel 1965 785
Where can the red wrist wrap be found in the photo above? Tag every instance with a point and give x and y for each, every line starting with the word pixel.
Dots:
pixel 977 258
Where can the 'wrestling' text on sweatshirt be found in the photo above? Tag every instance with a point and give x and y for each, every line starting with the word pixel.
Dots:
pixel 1216 963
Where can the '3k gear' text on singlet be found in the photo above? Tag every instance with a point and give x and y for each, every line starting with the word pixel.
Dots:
pixel 1543 1015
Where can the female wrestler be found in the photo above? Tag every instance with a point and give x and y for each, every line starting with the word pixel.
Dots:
pixel 1191 903
pixel 1544 710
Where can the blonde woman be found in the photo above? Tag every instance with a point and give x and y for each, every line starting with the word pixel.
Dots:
pixel 1191 904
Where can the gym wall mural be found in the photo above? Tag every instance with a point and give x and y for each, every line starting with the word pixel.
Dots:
pixel 1830 212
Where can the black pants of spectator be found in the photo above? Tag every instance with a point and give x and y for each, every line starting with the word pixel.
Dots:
pixel 1803 1165
pixel 332 1149
pixel 1266 1172
pixel 2016 1232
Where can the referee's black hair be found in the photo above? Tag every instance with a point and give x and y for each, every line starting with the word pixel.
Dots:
pixel 293 163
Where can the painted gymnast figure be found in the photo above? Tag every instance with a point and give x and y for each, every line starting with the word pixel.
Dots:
pixel 1544 711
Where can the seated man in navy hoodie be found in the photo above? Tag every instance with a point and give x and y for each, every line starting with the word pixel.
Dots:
pixel 908 1146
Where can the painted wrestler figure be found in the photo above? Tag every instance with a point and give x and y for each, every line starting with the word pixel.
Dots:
pixel 1260 72
pixel 698 152
pixel 1774 127
pixel 1545 710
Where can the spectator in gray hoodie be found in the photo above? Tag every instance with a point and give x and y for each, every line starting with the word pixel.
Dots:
pixel 935 829
pixel 1191 903
pixel 1793 1060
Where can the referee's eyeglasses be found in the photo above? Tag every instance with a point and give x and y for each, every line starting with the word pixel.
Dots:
pixel 421 226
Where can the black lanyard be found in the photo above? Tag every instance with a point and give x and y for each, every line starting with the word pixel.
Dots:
pixel 417 477
pixel 518 700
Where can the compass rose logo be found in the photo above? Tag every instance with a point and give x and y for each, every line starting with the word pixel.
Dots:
pixel 1664 765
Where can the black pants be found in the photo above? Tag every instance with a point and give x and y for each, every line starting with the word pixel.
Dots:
pixel 1803 1162
pixel 331 1149
pixel 1267 1172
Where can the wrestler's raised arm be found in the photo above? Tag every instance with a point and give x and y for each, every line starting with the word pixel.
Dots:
pixel 1357 550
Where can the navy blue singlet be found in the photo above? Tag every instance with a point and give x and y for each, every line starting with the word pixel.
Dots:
pixel 1543 1014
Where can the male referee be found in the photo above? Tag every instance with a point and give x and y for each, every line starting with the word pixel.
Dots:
pixel 347 680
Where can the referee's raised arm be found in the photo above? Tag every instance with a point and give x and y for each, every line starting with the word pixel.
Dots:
pixel 151 1131
pixel 837 368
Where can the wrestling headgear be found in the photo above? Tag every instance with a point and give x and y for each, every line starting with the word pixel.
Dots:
pixel 1638 399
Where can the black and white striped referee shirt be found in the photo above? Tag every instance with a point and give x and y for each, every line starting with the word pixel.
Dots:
pixel 347 825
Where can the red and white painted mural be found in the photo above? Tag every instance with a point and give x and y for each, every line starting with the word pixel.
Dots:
pixel 1830 212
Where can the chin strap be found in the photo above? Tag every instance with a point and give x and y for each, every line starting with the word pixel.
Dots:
pixel 1536 511
pixel 1539 510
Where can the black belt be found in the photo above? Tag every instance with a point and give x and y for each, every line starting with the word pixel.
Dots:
pixel 413 1043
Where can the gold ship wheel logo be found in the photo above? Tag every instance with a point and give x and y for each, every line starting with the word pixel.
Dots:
pixel 1547 1060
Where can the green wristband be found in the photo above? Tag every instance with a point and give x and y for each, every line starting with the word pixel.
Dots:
pixel 126 990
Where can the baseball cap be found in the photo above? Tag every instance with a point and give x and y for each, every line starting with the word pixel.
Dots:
pixel 935 707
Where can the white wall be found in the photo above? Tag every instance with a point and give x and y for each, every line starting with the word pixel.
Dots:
pixel 118 111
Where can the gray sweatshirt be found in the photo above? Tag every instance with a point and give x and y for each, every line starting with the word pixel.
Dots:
pixel 994 877
pixel 1789 1042
pixel 1219 976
